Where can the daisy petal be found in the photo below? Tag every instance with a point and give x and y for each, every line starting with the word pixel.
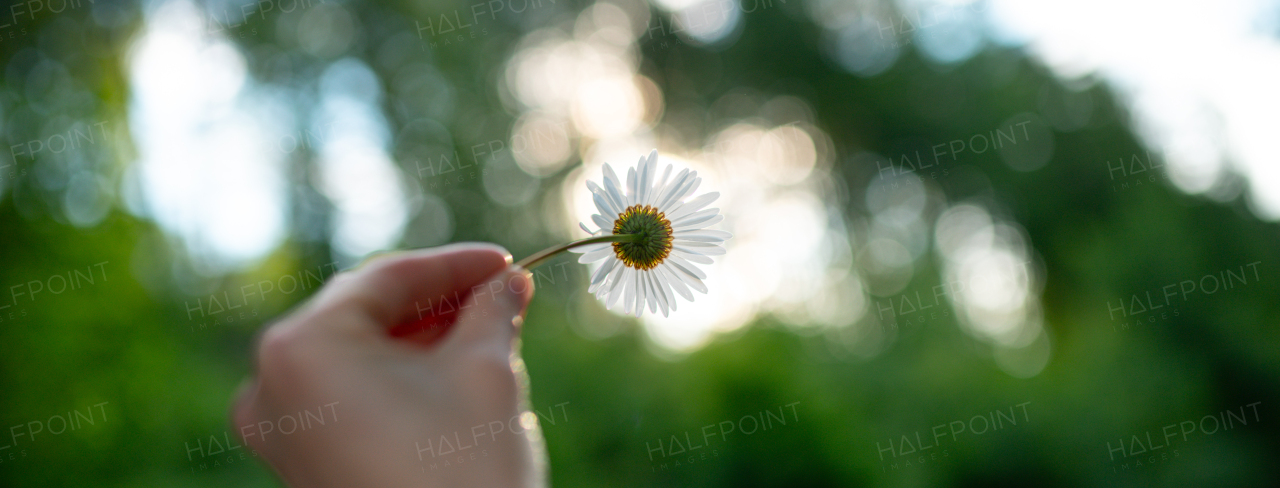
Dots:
pixel 601 222
pixel 667 299
pixel 651 172
pixel 606 284
pixel 689 188
pixel 695 218
pixel 676 284
pixel 678 182
pixel 662 184
pixel 703 248
pixel 683 265
pixel 608 197
pixel 658 292
pixel 693 256
pixel 613 284
pixel 651 292
pixel 694 205
pixel 642 180
pixel 640 295
pixel 684 178
pixel 715 219
pixel 593 187
pixel 603 272
pixel 632 188
pixel 690 280
pixel 629 290
pixel 692 243
pixel 603 205
pixel 703 235
pixel 650 165
pixel 699 238
pixel 610 176
pixel 596 255
pixel 614 186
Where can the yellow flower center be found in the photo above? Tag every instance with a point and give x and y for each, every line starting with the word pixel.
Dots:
pixel 654 244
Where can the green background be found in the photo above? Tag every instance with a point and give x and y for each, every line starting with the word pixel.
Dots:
pixel 128 340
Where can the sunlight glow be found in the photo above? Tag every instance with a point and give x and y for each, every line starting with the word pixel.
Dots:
pixel 785 249
pixel 208 171
pixel 991 280
pixel 357 173
pixel 1199 78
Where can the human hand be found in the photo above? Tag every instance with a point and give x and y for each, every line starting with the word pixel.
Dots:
pixel 388 399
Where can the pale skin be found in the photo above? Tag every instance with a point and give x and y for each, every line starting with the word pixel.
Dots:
pixel 387 399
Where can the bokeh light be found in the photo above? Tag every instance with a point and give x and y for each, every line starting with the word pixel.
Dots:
pixel 207 170
pixel 191 152
pixel 1197 77
pixel 768 175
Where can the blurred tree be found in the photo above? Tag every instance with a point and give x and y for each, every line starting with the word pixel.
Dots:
pixel 131 340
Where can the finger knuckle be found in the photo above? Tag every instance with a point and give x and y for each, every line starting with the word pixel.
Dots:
pixel 281 353
pixel 392 267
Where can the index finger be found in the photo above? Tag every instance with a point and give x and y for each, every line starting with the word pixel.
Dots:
pixel 394 289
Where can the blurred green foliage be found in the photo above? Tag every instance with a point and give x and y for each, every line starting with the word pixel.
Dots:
pixel 129 339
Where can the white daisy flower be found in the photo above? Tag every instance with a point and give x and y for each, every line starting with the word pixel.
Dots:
pixel 668 234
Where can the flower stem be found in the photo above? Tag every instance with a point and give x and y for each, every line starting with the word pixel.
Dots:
pixel 546 254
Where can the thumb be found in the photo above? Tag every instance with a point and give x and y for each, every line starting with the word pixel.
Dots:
pixel 491 316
